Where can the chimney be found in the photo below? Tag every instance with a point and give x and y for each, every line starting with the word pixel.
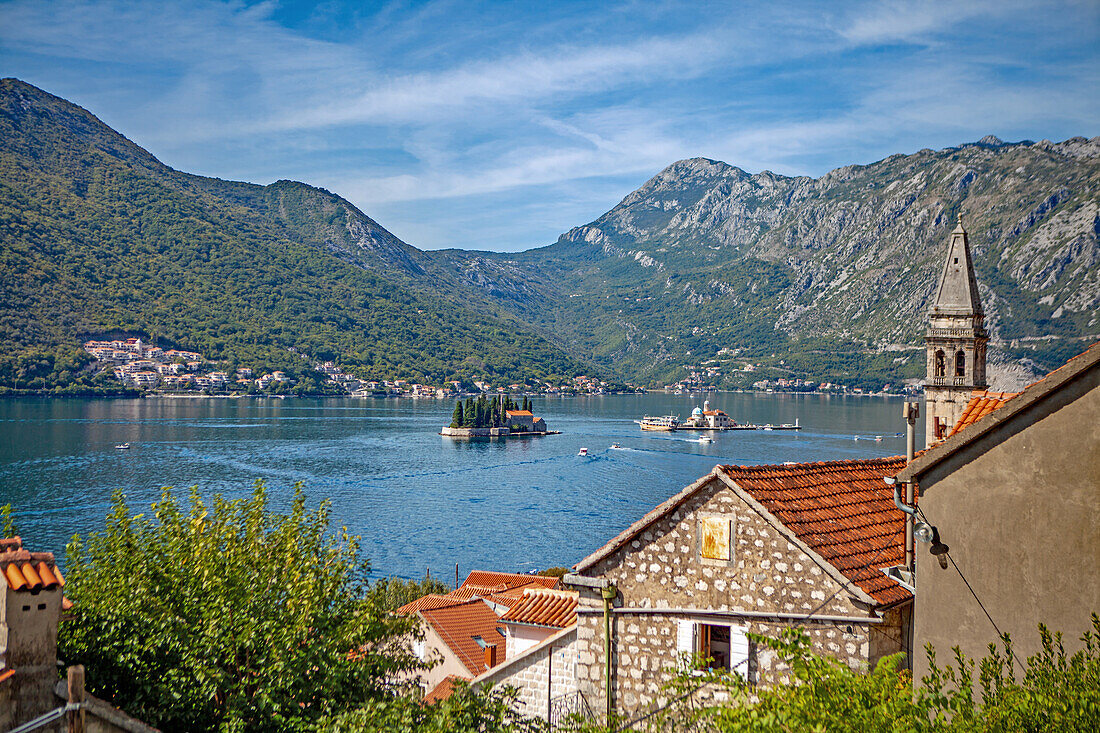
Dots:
pixel 490 656
pixel 30 607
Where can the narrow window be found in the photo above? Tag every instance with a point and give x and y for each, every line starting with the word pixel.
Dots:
pixel 939 366
pixel 960 364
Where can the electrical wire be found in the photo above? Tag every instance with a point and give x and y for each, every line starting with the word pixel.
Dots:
pixel 974 593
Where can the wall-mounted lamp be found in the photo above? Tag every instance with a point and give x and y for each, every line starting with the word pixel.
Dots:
pixel 938 548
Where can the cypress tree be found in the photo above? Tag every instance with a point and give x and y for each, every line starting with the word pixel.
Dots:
pixel 456 418
pixel 469 414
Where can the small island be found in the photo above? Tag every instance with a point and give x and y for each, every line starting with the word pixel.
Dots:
pixel 496 418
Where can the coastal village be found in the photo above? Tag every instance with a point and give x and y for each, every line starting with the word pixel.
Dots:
pixel 840 549
pixel 144 366
pixel 141 365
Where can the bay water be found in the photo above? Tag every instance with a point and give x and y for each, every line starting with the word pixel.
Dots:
pixel 418 500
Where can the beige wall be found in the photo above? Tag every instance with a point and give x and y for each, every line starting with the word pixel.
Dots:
pixel 28 642
pixel 448 663
pixel 661 570
pixel 530 673
pixel 1020 511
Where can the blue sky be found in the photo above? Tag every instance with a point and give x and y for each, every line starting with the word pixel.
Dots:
pixel 501 125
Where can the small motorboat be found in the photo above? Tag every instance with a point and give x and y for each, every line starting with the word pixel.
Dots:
pixel 706 439
pixel 122 446
pixel 878 438
pixel 616 446
pixel 582 452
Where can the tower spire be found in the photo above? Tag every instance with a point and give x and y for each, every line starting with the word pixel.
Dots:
pixel 957 293
pixel 955 341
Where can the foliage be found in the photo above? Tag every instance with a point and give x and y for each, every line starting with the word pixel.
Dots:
pixel 1059 692
pixel 481 412
pixel 555 572
pixel 228 616
pixel 491 711
pixel 9 529
pixel 392 593
pixel 96 236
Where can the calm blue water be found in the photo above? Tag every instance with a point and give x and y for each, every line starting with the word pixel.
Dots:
pixel 418 500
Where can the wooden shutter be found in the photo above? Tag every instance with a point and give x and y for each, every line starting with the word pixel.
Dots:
pixel 739 651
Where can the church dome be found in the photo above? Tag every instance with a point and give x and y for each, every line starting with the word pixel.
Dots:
pixel 697 412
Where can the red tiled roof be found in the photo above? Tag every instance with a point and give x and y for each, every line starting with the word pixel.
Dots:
pixel 429 602
pixel 28 571
pixel 544 607
pixel 519 413
pixel 982 402
pixel 498 582
pixel 842 510
pixel 443 690
pixel 457 626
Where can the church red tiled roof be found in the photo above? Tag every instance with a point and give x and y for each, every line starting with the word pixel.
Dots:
pixel 842 510
pixel 982 402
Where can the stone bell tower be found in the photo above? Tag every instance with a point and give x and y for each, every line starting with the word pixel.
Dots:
pixel 955 341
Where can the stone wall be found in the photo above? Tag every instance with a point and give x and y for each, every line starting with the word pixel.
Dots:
pixel 661 578
pixel 528 673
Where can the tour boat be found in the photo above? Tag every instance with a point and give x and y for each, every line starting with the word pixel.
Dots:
pixel 668 422
pixel 123 446
pixel 582 452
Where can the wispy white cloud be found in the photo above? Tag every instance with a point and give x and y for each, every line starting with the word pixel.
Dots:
pixel 511 116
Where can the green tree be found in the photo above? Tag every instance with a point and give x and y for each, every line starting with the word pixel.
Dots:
pixel 458 416
pixel 470 419
pixel 8 529
pixel 229 616
pixel 392 593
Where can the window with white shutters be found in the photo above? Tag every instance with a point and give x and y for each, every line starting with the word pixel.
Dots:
pixel 726 646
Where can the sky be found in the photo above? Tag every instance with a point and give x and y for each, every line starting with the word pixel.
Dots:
pixel 501 125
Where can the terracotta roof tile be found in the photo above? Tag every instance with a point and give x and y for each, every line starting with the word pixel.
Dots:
pixel 499 582
pixel 544 607
pixel 519 413
pixel 457 626
pixel 982 402
pixel 28 571
pixel 842 510
pixel 443 690
pixel 428 602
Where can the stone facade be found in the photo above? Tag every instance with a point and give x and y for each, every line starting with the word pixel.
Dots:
pixel 530 673
pixel 769 583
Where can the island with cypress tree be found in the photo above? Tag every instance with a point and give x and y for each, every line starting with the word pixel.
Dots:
pixel 482 417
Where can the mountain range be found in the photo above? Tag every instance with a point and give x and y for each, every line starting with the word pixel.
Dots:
pixel 705 268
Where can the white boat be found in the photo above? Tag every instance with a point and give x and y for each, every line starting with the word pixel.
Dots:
pixel 706 439
pixel 582 452
pixel 616 446
pixel 667 422
pixel 122 446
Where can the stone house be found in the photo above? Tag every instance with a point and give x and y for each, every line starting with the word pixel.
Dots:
pixel 744 549
pixel 1013 494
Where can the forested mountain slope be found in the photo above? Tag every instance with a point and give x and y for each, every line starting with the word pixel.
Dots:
pixel 99 237
pixel 705 264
